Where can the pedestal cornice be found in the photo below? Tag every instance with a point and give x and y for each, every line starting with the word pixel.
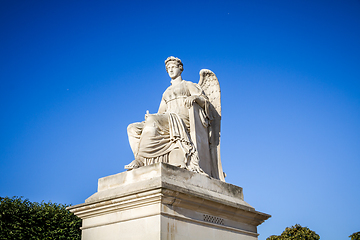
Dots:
pixel 171 193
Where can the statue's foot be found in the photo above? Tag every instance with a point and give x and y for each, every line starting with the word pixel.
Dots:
pixel 134 164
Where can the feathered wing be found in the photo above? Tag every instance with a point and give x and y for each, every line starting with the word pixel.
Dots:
pixel 211 87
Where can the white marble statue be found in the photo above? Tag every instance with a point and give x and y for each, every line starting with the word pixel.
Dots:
pixel 185 132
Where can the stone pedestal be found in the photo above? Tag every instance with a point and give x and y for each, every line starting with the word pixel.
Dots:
pixel 163 202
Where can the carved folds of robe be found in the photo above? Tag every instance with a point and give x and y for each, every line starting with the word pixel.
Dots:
pixel 152 140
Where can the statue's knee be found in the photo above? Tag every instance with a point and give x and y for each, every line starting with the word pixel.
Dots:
pixel 134 128
pixel 130 128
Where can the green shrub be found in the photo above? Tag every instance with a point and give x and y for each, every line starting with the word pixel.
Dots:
pixel 22 219
pixel 355 236
pixel 296 232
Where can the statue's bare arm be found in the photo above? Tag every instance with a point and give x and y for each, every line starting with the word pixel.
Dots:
pixel 162 107
pixel 196 96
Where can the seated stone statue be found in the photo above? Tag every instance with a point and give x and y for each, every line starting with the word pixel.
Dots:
pixel 170 135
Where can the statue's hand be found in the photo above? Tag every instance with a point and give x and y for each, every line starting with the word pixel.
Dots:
pixel 190 100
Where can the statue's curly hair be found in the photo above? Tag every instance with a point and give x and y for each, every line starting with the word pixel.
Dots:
pixel 176 60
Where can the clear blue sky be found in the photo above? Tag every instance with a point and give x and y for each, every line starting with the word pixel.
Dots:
pixel 74 74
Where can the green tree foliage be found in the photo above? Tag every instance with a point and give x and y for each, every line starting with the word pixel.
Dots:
pixel 22 219
pixel 355 236
pixel 296 232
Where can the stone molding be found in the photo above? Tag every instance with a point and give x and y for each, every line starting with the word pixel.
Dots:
pixel 173 194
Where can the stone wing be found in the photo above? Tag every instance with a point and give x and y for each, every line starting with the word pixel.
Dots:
pixel 211 87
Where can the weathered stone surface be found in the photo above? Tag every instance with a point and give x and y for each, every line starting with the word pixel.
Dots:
pixel 185 132
pixel 161 201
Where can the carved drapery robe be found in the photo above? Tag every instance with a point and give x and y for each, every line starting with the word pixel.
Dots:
pixel 154 139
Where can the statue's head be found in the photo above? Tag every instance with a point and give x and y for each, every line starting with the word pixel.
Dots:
pixel 174 60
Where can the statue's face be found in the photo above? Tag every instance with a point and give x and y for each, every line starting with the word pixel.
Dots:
pixel 173 70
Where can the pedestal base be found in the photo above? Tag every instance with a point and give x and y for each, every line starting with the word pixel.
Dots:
pixel 163 202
